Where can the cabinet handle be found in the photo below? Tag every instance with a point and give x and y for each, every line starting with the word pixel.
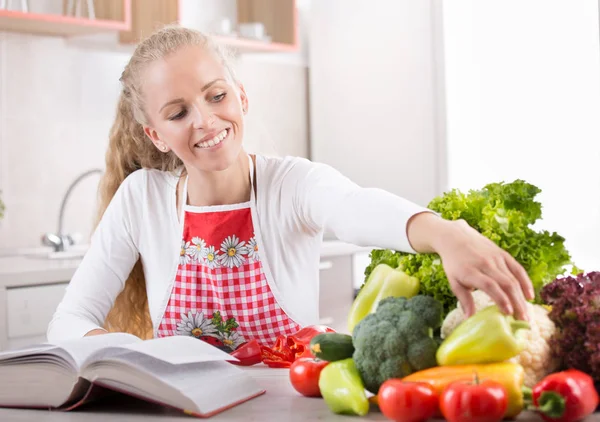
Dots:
pixel 325 265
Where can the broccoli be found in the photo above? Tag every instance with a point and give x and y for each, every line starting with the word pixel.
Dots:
pixel 397 339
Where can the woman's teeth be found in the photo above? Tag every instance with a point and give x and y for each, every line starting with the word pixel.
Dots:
pixel 214 141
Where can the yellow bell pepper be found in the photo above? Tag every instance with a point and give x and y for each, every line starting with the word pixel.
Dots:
pixel 384 281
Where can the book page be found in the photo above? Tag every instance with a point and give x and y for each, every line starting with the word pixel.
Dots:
pixel 47 353
pixel 26 351
pixel 201 386
pixel 179 350
pixel 82 348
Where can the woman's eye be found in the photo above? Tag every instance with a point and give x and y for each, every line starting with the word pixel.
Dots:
pixel 179 115
pixel 219 97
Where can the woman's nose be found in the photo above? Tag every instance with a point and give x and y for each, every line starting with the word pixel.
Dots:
pixel 204 118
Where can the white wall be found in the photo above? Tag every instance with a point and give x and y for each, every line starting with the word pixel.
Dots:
pixel 373 93
pixel 523 101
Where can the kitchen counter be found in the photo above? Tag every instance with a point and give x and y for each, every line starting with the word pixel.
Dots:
pixel 280 403
pixel 29 270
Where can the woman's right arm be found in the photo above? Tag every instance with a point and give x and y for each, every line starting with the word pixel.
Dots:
pixel 106 266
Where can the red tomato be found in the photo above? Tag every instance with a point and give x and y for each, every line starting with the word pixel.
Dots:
pixel 403 401
pixel 304 376
pixel 484 401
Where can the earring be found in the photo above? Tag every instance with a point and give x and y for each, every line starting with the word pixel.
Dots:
pixel 164 147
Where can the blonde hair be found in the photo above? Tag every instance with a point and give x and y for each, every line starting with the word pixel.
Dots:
pixel 129 150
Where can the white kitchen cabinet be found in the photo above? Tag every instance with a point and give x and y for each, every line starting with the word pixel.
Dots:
pixel 376 103
pixel 28 311
pixel 336 292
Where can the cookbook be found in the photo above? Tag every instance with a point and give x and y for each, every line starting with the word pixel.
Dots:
pixel 180 372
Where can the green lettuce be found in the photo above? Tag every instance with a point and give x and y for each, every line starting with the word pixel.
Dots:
pixel 502 212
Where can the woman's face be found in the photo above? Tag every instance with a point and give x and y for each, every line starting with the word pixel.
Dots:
pixel 195 109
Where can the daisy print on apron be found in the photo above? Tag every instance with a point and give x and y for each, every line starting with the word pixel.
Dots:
pixel 221 293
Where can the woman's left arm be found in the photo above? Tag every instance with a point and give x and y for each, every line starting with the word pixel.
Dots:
pixel 325 199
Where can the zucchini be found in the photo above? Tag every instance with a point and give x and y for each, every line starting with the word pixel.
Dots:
pixel 332 346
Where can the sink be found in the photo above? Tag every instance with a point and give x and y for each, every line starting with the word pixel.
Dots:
pixel 70 254
pixel 74 252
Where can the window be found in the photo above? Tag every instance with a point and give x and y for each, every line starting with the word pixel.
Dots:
pixel 523 101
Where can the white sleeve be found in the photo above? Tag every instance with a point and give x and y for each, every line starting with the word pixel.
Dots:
pixel 327 200
pixel 101 275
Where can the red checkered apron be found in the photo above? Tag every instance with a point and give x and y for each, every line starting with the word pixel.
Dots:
pixel 220 293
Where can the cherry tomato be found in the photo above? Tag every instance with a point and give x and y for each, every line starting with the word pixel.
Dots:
pixel 403 401
pixel 304 376
pixel 484 401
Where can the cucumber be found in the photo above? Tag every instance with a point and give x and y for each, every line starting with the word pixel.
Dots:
pixel 332 346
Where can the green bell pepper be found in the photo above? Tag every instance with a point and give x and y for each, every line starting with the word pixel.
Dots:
pixel 384 281
pixel 342 388
pixel 488 336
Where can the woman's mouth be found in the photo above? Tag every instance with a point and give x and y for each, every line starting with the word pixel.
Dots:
pixel 216 140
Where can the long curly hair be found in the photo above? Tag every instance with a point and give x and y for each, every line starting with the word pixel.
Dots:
pixel 129 150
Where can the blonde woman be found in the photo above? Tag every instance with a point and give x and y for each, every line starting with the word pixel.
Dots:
pixel 197 237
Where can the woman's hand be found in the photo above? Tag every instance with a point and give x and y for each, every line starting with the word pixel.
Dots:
pixel 472 261
pixel 96 332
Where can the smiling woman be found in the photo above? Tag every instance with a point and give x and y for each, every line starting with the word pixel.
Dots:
pixel 197 237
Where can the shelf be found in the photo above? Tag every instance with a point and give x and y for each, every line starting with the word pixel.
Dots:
pixel 131 20
pixel 278 16
pixel 62 25
pixel 247 45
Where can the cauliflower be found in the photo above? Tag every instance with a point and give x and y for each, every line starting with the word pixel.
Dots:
pixel 537 359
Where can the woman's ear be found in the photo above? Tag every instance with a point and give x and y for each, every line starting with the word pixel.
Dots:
pixel 243 98
pixel 153 135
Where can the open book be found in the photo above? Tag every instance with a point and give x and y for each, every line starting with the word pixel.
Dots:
pixel 180 372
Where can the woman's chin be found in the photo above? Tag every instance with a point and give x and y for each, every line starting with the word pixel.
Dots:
pixel 218 159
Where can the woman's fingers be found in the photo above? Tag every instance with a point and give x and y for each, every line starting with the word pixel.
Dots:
pixel 465 298
pixel 513 290
pixel 490 286
pixel 521 275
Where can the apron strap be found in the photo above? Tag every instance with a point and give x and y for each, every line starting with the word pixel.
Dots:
pixel 251 159
pixel 184 199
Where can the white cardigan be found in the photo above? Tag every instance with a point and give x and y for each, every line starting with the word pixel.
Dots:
pixel 297 200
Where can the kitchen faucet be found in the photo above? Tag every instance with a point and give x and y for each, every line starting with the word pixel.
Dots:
pixel 59 241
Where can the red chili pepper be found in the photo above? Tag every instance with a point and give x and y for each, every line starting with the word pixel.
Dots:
pixel 248 354
pixel 299 343
pixel 566 396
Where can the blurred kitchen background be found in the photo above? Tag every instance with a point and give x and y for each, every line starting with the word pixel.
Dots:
pixel 413 96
